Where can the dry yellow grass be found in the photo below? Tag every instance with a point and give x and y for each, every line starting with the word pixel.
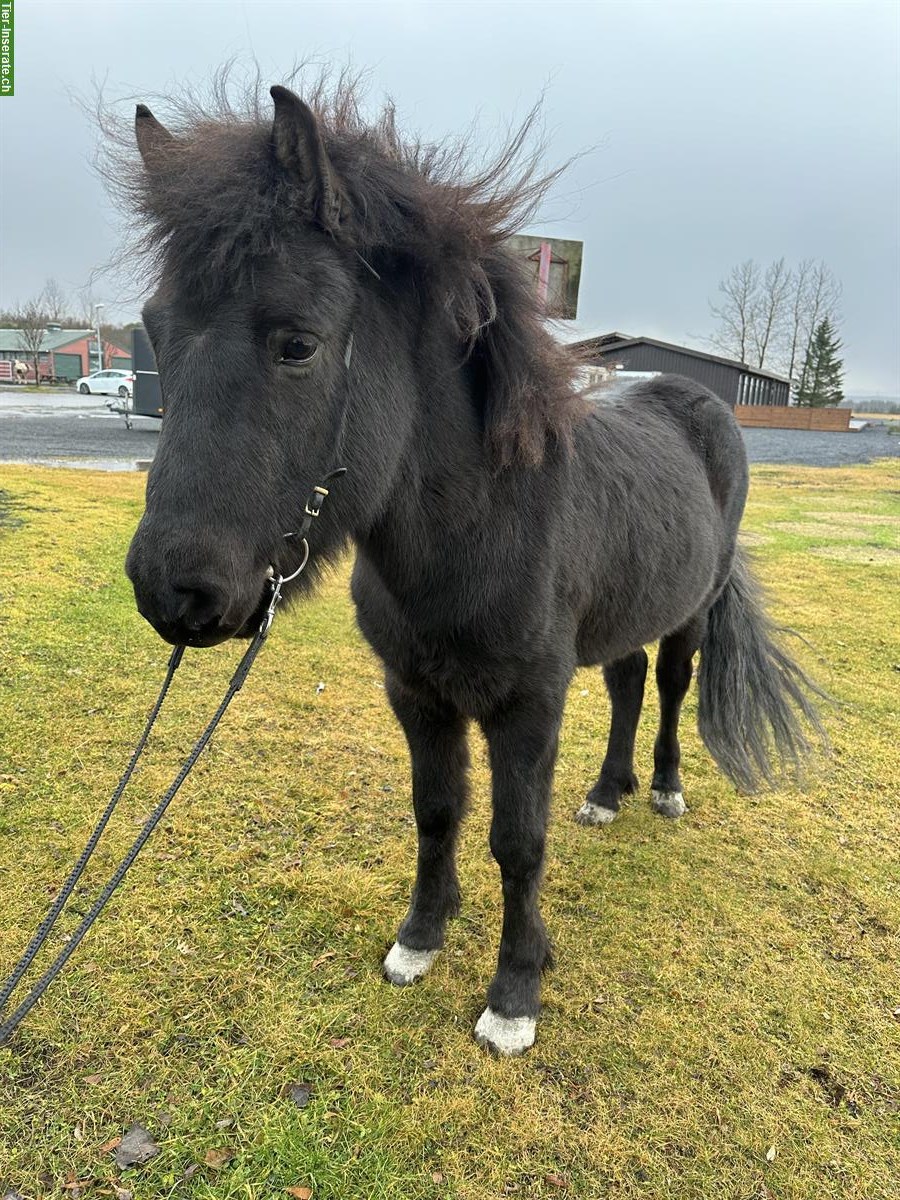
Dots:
pixel 721 1022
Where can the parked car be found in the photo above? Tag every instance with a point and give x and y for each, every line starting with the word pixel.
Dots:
pixel 107 383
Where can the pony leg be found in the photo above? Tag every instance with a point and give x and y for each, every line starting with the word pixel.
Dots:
pixel 437 744
pixel 674 667
pixel 523 743
pixel 625 684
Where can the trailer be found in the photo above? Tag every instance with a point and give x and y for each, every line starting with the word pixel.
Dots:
pixel 147 400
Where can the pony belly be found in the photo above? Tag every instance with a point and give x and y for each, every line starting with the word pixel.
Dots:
pixel 620 622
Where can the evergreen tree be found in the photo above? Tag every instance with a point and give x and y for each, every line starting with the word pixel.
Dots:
pixel 821 379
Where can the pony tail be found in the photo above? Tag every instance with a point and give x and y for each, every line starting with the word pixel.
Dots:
pixel 754 700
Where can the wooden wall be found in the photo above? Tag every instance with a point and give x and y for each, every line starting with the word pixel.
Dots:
pixel 778 417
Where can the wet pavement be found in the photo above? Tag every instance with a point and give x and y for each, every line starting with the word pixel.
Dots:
pixel 68 430
pixel 813 448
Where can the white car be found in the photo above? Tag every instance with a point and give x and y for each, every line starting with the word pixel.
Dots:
pixel 107 383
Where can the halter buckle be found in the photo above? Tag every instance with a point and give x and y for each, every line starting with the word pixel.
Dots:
pixel 317 496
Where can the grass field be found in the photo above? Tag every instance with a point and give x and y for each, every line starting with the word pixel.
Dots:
pixel 723 1020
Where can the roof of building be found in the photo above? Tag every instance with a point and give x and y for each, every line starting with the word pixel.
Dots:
pixel 54 339
pixel 608 342
pixel 13 340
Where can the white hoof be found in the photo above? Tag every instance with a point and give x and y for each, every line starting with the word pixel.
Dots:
pixel 670 804
pixel 505 1035
pixel 595 814
pixel 403 966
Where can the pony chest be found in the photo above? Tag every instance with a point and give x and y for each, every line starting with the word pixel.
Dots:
pixel 433 640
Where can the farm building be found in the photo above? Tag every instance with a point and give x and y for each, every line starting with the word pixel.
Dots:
pixel 64 354
pixel 733 381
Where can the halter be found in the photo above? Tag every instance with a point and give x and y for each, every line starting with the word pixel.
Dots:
pixel 312 508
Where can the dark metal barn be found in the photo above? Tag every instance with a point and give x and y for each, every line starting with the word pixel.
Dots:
pixel 733 381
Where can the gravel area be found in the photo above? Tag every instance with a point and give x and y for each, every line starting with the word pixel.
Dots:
pixel 71 430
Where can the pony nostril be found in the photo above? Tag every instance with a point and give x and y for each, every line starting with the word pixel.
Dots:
pixel 199 625
pixel 201 607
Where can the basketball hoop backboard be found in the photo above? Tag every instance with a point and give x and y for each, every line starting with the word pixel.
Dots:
pixel 554 266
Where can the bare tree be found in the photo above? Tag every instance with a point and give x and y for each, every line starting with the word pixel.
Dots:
pixel 112 341
pixel 85 310
pixel 54 300
pixel 795 325
pixel 770 310
pixel 771 317
pixel 736 312
pixel 819 300
pixel 33 323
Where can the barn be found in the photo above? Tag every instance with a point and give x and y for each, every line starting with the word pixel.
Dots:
pixel 735 382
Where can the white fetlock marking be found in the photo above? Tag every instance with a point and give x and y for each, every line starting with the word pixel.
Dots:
pixel 505 1035
pixel 595 814
pixel 670 804
pixel 403 965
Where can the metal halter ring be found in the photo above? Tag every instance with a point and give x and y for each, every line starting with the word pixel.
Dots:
pixel 277 585
pixel 287 578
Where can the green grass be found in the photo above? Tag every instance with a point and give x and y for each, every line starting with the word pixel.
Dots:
pixel 725 984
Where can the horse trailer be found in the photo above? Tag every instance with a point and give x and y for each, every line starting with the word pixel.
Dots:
pixel 147 400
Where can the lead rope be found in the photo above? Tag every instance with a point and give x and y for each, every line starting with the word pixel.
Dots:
pixel 43 930
pixel 312 509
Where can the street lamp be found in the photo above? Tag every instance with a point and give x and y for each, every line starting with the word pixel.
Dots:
pixel 97 308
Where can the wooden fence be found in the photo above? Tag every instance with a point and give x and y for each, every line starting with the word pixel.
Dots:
pixel 770 416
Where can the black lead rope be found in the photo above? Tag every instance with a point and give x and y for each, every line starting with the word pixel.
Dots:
pixel 313 507
pixel 43 930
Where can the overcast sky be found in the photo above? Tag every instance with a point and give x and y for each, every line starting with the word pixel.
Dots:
pixel 722 131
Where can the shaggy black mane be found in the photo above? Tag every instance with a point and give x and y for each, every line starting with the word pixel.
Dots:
pixel 218 201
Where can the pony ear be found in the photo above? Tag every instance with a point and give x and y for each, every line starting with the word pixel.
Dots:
pixel 300 150
pixel 152 137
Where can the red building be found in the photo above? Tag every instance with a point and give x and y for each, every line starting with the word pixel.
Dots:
pixel 64 354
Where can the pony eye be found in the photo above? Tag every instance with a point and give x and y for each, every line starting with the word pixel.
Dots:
pixel 299 350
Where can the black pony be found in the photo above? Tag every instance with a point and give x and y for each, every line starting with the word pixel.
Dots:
pixel 330 295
